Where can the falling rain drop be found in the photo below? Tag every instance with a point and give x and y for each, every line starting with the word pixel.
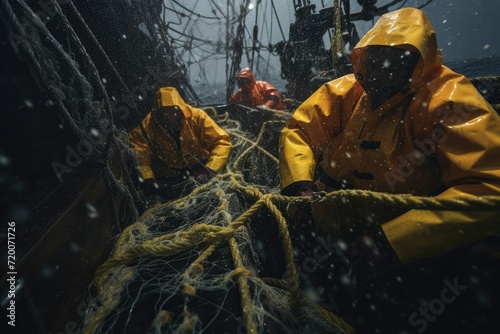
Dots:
pixel 49 103
pixel 28 103
pixel 344 279
pixel 75 247
pixel 342 245
pixel 92 212
pixel 95 133
pixel 4 160
pixel 48 270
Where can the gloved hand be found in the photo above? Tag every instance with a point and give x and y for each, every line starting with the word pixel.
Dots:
pixel 202 175
pixel 300 188
pixel 150 187
pixel 307 189
pixel 299 215
pixel 272 102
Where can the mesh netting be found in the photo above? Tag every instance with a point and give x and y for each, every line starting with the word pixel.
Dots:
pixel 193 264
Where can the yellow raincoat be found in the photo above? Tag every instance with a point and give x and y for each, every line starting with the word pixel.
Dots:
pixel 436 136
pixel 201 140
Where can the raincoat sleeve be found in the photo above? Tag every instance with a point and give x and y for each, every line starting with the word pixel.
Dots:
pixel 236 98
pixel 140 145
pixel 467 147
pixel 312 126
pixel 215 140
pixel 272 96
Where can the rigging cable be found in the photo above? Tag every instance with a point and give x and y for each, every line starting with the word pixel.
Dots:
pixel 237 49
pixel 278 20
pixel 255 33
pixel 337 43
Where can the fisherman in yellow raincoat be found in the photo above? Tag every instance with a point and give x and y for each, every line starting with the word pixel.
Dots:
pixel 401 123
pixel 176 141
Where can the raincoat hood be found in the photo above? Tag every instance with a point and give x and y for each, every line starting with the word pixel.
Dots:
pixel 200 140
pixel 256 93
pixel 408 29
pixel 247 74
pixel 170 97
pixel 438 138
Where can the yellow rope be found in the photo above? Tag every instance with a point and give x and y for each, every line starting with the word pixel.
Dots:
pixel 253 146
pixel 292 276
pixel 276 282
pixel 341 324
pixel 464 203
pixel 246 298
pixel 195 270
pixel 323 313
pixel 109 297
pixel 109 280
pixel 477 80
pixel 337 43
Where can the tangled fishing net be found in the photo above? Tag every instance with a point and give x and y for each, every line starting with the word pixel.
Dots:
pixel 193 264
pixel 223 258
pixel 218 259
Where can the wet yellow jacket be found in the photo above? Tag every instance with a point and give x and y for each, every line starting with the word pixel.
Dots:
pixel 201 140
pixel 436 136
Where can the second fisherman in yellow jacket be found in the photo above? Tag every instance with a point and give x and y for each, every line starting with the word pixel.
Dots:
pixel 177 140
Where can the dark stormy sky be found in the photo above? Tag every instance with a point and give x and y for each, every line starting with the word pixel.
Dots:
pixel 464 28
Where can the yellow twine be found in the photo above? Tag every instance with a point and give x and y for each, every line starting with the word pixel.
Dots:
pixel 165 317
pixel 255 145
pixel 246 298
pixel 189 290
pixel 239 272
pixel 332 318
pixel 210 235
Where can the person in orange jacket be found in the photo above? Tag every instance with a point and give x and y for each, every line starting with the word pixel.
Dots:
pixel 254 93
pixel 178 140
pixel 401 123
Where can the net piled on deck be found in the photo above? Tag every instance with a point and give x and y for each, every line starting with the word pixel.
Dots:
pixel 196 264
